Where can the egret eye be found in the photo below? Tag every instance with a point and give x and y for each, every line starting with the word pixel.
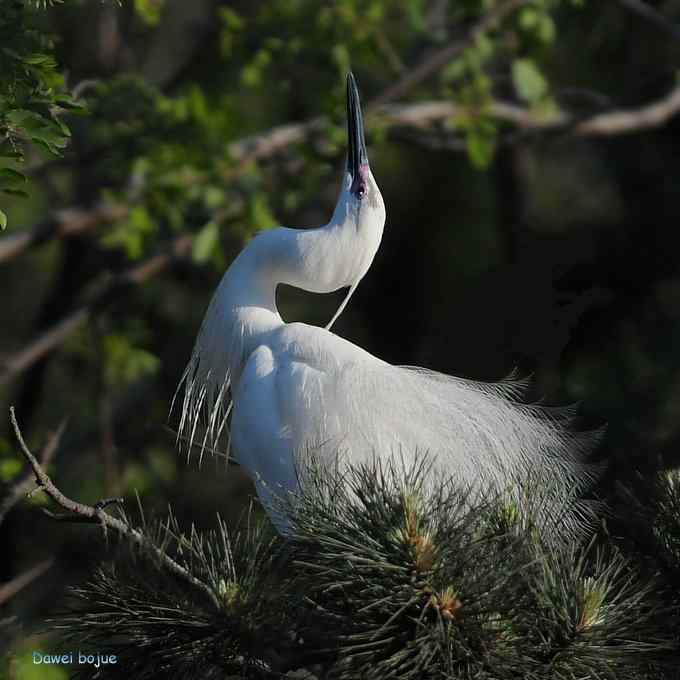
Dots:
pixel 361 190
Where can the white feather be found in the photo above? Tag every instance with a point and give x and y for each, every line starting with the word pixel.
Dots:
pixel 297 387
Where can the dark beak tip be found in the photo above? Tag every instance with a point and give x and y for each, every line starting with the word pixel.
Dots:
pixel 355 128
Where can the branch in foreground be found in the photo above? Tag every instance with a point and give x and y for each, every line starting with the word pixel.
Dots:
pixel 22 485
pixel 97 515
pixel 54 336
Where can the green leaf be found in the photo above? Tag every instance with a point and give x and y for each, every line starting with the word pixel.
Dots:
pixel 68 102
pixel 529 18
pixel 149 10
pixel 341 57
pixel 28 120
pixel 9 468
pixel 415 11
pixel 251 74
pixel 15 192
pixel 546 29
pixel 481 148
pixel 14 155
pixel 3 221
pixel 11 177
pixel 44 60
pixel 205 242
pixel 260 215
pixel 529 82
pixel 124 362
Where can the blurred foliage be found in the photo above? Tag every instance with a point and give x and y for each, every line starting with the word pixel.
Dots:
pixel 549 251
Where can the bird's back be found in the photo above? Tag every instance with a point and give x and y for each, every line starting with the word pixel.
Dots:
pixel 322 394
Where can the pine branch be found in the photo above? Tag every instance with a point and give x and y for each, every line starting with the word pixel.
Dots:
pixel 137 609
pixel 96 514
pixel 416 579
pixel 387 571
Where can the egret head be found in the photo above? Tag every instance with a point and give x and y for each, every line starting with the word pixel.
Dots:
pixel 364 198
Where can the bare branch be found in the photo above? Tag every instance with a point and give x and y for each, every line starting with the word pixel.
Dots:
pixel 422 115
pixel 653 16
pixel 97 514
pixel 23 484
pixel 11 588
pixel 622 122
pixel 53 337
pixel 419 115
pixel 61 223
pixel 615 122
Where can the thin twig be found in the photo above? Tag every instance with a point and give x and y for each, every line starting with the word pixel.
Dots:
pixel 97 515
pixel 11 588
pixel 440 58
pixel 23 484
pixel 653 16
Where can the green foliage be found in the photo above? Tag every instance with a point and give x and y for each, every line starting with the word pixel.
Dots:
pixel 10 462
pixel 384 573
pixel 34 97
pixel 205 243
pixel 23 667
pixel 666 517
pixel 529 83
pixel 123 361
pixel 149 10
pixel 181 633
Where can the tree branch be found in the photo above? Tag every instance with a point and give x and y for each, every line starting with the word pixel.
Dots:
pixel 440 58
pixel 627 121
pixel 96 514
pixel 46 342
pixel 608 123
pixel 422 115
pixel 418 115
pixel 61 223
pixel 24 482
pixel 653 16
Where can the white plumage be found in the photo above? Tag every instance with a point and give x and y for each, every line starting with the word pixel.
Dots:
pixel 299 388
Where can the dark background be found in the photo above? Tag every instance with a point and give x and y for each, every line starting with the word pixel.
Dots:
pixel 560 256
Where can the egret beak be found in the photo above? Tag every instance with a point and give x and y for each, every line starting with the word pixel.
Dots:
pixel 357 159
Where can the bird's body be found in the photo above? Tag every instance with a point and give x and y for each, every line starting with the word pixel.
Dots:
pixel 298 388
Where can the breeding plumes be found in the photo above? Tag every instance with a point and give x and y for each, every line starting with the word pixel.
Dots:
pixel 297 388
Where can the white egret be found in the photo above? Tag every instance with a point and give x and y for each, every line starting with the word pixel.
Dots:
pixel 297 387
